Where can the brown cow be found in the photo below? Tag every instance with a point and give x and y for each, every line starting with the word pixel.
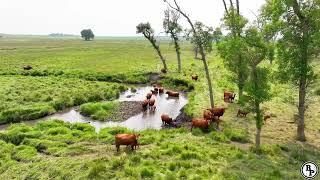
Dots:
pixel 28 67
pixel 242 113
pixel 217 111
pixel 194 77
pixel 163 70
pixel 173 93
pixel 200 123
pixel 265 118
pixel 166 119
pixel 145 103
pixel 153 108
pixel 229 96
pixel 127 139
pixel 207 114
pixel 149 95
pixel 151 102
pixel 161 90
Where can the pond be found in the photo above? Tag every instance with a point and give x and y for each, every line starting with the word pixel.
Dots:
pixel 141 121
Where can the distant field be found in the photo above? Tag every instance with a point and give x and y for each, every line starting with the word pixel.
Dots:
pixel 75 55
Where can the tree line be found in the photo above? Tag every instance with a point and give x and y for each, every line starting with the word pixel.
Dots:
pixel 284 30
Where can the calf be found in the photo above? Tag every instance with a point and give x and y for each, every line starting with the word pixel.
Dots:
pixel 265 118
pixel 166 120
pixel 172 93
pixel 194 77
pixel 217 111
pixel 207 114
pixel 230 96
pixel 151 102
pixel 161 90
pixel 127 139
pixel 28 67
pixel 200 123
pixel 149 95
pixel 153 108
pixel 163 70
pixel 154 91
pixel 242 113
pixel 145 103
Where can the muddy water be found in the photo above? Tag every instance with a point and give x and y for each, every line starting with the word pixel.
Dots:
pixel 141 121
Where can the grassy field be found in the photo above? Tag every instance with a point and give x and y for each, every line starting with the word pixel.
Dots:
pixel 68 72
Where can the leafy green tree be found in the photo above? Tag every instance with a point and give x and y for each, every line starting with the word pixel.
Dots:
pixel 172 27
pixel 148 33
pixel 87 34
pixel 231 47
pixel 217 35
pixel 258 87
pixel 296 26
pixel 201 37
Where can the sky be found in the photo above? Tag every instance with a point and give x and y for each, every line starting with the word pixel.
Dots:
pixel 105 17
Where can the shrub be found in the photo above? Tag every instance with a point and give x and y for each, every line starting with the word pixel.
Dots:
pixel 189 155
pixel 96 169
pixel 24 153
pixel 147 172
pixel 219 136
pixel 19 114
pixel 58 130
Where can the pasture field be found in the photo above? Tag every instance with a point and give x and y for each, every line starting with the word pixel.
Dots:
pixel 69 72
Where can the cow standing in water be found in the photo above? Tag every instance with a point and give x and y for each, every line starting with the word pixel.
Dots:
pixel 172 93
pixel 166 120
pixel 127 139
pixel 149 95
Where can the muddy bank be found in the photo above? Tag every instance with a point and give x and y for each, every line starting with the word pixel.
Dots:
pixel 126 110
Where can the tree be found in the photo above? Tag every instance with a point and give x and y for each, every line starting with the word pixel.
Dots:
pixel 231 47
pixel 217 35
pixel 201 37
pixel 258 85
pixel 148 33
pixel 296 25
pixel 172 27
pixel 87 34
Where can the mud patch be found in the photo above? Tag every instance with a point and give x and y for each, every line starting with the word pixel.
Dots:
pixel 128 109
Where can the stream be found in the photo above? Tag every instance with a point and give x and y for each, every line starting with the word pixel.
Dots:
pixel 141 121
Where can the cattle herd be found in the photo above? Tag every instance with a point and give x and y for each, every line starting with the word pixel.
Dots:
pixel 210 115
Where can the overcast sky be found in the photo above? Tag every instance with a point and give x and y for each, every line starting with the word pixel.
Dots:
pixel 104 17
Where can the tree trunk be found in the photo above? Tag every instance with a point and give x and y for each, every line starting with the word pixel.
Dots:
pixel 157 48
pixel 206 69
pixel 303 68
pixel 201 50
pixel 177 47
pixel 257 109
pixel 302 96
pixel 258 139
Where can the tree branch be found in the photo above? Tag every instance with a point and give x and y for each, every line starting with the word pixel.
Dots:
pixel 225 7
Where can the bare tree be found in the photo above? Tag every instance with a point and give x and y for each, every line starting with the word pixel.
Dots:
pixel 148 32
pixel 200 39
pixel 172 27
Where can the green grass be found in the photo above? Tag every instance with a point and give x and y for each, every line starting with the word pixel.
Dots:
pixel 70 72
pixel 101 111
pixel 27 98
pixel 53 149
